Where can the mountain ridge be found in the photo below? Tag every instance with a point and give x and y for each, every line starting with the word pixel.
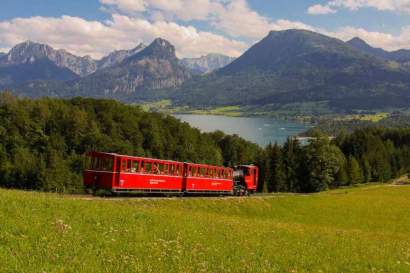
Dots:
pixel 298 66
pixel 401 55
pixel 29 51
pixel 291 66
pixel 207 63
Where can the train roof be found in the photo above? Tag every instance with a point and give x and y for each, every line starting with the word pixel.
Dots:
pixel 150 158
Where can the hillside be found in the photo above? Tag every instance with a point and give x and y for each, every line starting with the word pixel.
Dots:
pixel 301 66
pixel 43 142
pixel 356 230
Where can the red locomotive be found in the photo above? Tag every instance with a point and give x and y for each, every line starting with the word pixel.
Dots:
pixel 129 174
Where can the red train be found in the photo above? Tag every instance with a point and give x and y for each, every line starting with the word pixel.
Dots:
pixel 129 174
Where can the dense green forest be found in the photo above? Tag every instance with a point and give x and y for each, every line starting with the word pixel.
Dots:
pixel 43 142
pixel 364 156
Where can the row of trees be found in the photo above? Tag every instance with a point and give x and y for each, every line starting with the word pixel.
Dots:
pixel 367 155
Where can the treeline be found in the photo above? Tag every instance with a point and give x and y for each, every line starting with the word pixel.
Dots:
pixel 43 142
pixel 366 155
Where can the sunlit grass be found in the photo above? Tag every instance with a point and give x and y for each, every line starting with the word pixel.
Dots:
pixel 355 230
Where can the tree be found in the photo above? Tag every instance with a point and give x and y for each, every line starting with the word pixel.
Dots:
pixel 355 173
pixel 293 164
pixel 341 178
pixel 324 161
pixel 275 179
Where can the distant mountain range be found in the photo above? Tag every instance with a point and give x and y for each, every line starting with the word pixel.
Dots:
pixel 206 64
pixel 297 66
pixel 286 67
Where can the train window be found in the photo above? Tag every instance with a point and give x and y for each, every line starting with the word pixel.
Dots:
pixel 166 168
pixel 124 165
pixel 135 166
pixel 148 167
pixel 118 162
pixel 177 170
pixel 110 164
pixel 129 162
pixel 158 168
pixel 194 171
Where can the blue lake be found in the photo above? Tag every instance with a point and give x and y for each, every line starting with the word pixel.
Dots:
pixel 256 129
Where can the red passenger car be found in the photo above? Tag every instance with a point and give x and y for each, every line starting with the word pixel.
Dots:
pixel 208 179
pixel 121 173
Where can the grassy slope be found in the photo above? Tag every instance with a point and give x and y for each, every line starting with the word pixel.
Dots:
pixel 358 230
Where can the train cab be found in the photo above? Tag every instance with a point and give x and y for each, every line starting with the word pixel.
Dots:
pixel 246 179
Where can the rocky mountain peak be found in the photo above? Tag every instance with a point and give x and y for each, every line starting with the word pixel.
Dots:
pixel 160 49
pixel 117 56
pixel 31 52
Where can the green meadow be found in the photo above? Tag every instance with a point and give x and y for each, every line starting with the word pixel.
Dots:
pixel 364 229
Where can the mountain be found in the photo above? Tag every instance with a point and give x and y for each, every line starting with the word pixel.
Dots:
pixel 400 56
pixel 42 69
pixel 155 67
pixel 30 52
pixel 206 64
pixel 301 66
pixel 118 56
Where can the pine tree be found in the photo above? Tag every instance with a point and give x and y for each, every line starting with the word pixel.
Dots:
pixel 355 173
pixel 342 178
pixel 276 176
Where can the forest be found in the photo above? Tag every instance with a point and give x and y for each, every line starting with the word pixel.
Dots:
pixel 43 142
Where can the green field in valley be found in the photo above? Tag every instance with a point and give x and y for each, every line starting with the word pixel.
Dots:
pixel 365 229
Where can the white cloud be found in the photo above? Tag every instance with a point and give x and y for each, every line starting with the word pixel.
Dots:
pixel 376 39
pixel 122 31
pixel 185 10
pixel 128 6
pixel 233 17
pixel 319 9
pixel 382 5
pixel 94 38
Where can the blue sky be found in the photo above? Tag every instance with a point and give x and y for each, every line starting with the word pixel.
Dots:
pixel 197 27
